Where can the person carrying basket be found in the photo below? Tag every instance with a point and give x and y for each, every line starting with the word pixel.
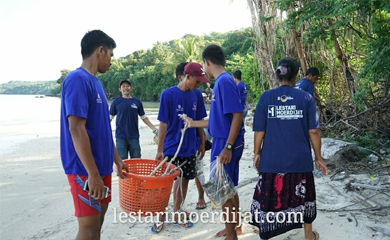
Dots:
pixel 176 100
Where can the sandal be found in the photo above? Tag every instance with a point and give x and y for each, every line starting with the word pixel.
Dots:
pixel 184 225
pixel 316 235
pixel 157 227
pixel 201 205
pixel 188 215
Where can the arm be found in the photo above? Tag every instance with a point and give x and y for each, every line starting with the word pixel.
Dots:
pixel 82 146
pixel 258 141
pixel 112 110
pixel 148 123
pixel 162 132
pixel 202 137
pixel 226 155
pixel 315 138
pixel 198 124
pixel 235 127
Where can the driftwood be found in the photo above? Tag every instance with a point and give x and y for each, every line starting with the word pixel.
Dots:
pixel 365 201
pixel 384 231
pixel 368 186
pixel 247 181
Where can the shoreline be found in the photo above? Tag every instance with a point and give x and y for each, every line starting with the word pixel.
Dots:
pixel 35 197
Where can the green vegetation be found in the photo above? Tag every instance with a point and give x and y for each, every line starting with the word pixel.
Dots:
pixel 28 87
pixel 348 41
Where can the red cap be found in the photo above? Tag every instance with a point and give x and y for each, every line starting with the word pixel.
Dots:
pixel 196 70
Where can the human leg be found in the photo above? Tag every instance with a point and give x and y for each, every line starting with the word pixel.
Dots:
pixel 180 188
pixel 122 146
pixel 230 221
pixel 89 211
pixel 201 204
pixel 134 148
pixel 232 169
pixel 89 227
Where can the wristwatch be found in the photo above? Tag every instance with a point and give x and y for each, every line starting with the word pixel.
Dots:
pixel 228 146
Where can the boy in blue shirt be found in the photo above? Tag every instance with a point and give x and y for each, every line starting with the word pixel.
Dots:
pixel 242 90
pixel 226 127
pixel 201 140
pixel 307 83
pixel 127 109
pixel 176 100
pixel 87 147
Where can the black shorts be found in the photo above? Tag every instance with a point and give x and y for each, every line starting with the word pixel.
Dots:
pixel 188 169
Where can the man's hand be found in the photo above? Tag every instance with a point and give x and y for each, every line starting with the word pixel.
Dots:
pixel 96 186
pixel 189 121
pixel 321 166
pixel 256 162
pixel 225 156
pixel 201 151
pixel 120 165
pixel 159 156
pixel 155 131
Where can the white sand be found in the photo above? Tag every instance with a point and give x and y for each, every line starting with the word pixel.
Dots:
pixel 36 202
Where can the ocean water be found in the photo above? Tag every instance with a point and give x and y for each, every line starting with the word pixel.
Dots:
pixel 26 117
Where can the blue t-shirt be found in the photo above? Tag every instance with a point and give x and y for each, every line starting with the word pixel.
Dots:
pixel 82 95
pixel 199 96
pixel 243 92
pixel 224 102
pixel 286 115
pixel 127 111
pixel 174 101
pixel 305 85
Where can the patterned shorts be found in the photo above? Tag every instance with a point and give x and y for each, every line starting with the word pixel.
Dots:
pixel 188 169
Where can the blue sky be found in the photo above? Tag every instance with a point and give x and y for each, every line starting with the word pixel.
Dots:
pixel 41 37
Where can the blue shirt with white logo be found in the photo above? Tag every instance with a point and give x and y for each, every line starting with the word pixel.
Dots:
pixel 305 85
pixel 82 95
pixel 174 101
pixel 243 92
pixel 224 102
pixel 286 114
pixel 127 111
pixel 200 101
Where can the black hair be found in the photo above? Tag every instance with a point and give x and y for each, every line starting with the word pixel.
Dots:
pixel 94 39
pixel 180 69
pixel 237 74
pixel 212 85
pixel 215 54
pixel 313 71
pixel 287 69
pixel 124 81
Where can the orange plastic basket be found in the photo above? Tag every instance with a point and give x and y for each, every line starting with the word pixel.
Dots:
pixel 144 193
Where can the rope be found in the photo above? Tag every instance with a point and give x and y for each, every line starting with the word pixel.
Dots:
pixel 182 116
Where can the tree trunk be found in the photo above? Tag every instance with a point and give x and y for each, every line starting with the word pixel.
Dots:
pixel 298 46
pixel 349 73
pixel 266 35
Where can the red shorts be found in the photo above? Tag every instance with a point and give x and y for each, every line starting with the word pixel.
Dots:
pixel 84 204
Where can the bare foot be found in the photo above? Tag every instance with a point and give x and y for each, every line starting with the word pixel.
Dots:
pixel 221 233
pixel 316 236
pixel 239 230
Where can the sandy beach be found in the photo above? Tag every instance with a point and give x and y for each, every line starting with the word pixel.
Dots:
pixel 36 202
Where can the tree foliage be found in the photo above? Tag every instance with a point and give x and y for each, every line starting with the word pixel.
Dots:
pixel 348 41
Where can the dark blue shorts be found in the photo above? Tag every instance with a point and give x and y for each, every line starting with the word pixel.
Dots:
pixel 233 167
